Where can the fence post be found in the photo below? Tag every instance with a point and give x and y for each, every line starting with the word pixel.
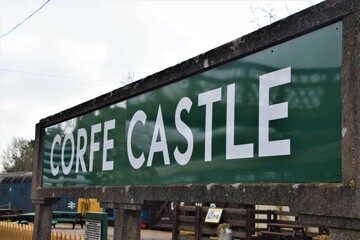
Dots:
pixel 175 223
pixel 269 213
pixel 276 217
pixel 248 226
pixel 53 235
pixel 29 231
pixel 197 222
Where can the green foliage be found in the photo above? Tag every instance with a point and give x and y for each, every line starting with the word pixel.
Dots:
pixel 18 156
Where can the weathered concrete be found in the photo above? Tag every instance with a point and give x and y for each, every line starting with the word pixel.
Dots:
pixel 336 234
pixel 127 222
pixel 42 222
pixel 336 205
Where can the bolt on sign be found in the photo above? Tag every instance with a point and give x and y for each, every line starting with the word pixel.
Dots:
pixel 272 116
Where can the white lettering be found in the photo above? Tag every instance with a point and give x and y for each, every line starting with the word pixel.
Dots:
pixel 94 146
pixel 136 163
pixel 183 151
pixel 54 170
pixel 108 144
pixel 161 145
pixel 269 112
pixel 80 151
pixel 207 99
pixel 66 169
pixel 234 151
pixel 183 158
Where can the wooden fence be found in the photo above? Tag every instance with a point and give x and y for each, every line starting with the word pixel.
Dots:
pixel 189 223
pixel 12 231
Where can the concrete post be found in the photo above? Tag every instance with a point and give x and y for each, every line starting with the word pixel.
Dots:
pixel 127 222
pixel 344 234
pixel 43 218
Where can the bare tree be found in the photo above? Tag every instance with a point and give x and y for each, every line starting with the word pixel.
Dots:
pixel 18 156
pixel 267 12
pixel 128 78
pixel 262 15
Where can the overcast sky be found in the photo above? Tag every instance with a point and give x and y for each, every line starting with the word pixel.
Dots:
pixel 73 51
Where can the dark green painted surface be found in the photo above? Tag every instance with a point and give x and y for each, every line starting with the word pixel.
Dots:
pixel 313 124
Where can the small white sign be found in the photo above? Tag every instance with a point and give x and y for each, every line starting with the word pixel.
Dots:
pixel 93 230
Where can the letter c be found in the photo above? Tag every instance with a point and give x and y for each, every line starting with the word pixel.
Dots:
pixel 136 163
pixel 54 170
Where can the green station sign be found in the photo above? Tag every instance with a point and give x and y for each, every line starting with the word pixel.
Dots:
pixel 272 116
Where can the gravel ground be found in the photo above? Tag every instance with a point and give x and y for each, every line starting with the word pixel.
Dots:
pixel 146 234
pixel 155 235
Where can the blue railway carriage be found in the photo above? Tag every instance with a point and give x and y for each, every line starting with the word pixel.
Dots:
pixel 15 191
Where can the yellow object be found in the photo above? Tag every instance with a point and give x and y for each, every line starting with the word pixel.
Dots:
pixel 88 205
